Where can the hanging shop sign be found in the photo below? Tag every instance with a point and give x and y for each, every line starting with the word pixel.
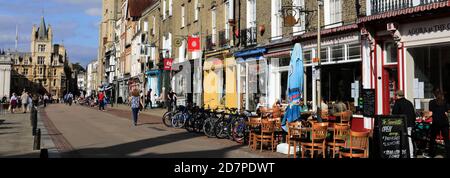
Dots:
pixel 168 63
pixel 193 44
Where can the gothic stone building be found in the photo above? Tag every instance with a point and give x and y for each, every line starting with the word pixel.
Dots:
pixel 42 70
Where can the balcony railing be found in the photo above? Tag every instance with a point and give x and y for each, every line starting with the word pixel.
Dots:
pixel 380 6
pixel 209 43
pixel 248 37
pixel 223 41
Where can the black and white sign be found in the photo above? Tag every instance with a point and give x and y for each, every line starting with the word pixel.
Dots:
pixel 391 137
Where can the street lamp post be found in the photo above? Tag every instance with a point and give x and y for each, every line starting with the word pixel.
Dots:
pixel 318 79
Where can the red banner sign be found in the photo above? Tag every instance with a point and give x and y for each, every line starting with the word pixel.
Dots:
pixel 168 63
pixel 193 44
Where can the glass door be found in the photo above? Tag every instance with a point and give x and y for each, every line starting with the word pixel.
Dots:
pixel 390 87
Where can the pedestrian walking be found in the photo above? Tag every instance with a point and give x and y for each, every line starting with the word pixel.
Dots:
pixel 24 99
pixel 30 101
pixel 171 96
pixel 19 103
pixel 164 98
pixel 440 123
pixel 150 98
pixel 101 97
pixel 45 100
pixel 65 98
pixel 4 99
pixel 135 102
pixel 70 98
pixel 403 106
pixel 13 102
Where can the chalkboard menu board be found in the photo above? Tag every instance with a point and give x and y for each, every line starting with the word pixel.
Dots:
pixel 391 137
pixel 368 102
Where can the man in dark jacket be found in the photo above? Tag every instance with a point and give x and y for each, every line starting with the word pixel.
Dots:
pixel 403 106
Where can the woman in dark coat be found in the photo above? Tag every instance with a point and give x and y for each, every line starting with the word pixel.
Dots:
pixel 440 122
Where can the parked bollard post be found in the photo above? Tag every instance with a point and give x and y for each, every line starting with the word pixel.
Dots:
pixel 31 116
pixel 44 153
pixel 34 120
pixel 37 140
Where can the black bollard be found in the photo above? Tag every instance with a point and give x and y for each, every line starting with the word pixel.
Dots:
pixel 34 120
pixel 44 153
pixel 37 140
pixel 31 116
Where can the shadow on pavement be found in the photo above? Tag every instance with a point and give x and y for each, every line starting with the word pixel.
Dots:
pixel 6 133
pixel 127 149
pixel 7 127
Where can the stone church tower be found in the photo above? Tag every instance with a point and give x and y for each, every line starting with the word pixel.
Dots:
pixel 43 66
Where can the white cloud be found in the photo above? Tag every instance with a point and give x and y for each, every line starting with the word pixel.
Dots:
pixel 94 11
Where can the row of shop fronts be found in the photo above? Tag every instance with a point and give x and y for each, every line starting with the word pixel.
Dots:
pixel 409 55
pixel 243 78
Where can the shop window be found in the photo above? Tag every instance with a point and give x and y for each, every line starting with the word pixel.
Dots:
pixel 391 53
pixel 337 53
pixel 324 54
pixel 307 56
pixel 354 52
pixel 431 70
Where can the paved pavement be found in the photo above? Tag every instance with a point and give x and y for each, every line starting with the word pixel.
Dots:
pixel 87 132
pixel 157 112
pixel 16 139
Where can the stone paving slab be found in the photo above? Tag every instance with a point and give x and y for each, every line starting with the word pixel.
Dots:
pixel 16 139
pixel 98 134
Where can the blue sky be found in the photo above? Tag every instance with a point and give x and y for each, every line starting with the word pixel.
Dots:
pixel 74 23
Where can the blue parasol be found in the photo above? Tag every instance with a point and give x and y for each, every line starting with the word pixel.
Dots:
pixel 295 86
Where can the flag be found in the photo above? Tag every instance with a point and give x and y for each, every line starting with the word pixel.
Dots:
pixel 168 63
pixel 193 44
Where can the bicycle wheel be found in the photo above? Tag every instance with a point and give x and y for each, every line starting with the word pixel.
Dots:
pixel 208 128
pixel 238 131
pixel 220 129
pixel 178 120
pixel 167 119
pixel 190 124
pixel 198 124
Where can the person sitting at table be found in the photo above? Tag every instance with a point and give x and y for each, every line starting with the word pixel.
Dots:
pixel 339 106
pixel 260 108
pixel 323 106
pixel 303 106
pixel 276 109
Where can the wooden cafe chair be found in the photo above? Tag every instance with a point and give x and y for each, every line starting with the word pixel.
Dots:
pixel 293 137
pixel 340 135
pixel 346 117
pixel 317 141
pixel 357 146
pixel 278 129
pixel 253 124
pixel 266 134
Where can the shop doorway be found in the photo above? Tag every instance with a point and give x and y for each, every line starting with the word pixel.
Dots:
pixel 390 84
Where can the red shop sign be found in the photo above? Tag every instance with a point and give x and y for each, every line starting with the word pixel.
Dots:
pixel 168 63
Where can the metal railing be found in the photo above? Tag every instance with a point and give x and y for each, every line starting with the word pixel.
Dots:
pixel 248 37
pixel 381 6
